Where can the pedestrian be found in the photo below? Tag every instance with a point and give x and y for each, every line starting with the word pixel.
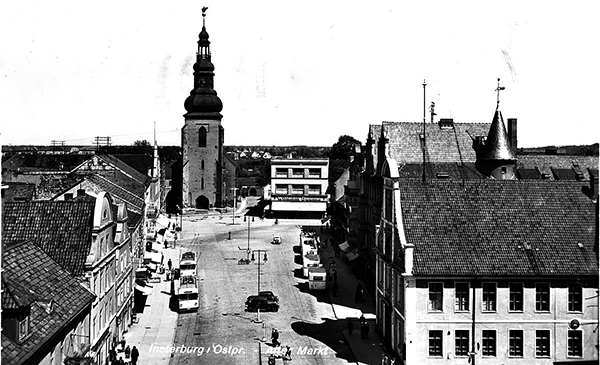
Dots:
pixel 367 328
pixel 334 288
pixel 349 326
pixel 275 337
pixel 134 355
pixel 358 295
pixel 127 352
pixel 166 244
pixel 121 361
pixel 169 264
pixel 288 354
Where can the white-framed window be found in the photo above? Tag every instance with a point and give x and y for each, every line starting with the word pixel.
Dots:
pixel 461 297
pixel 297 173
pixel 515 343
pixel 314 173
pixel 542 343
pixel 281 172
pixel 542 297
pixel 297 189
pixel 436 343
pixel 436 297
pixel 23 328
pixel 515 297
pixel 575 297
pixel 461 342
pixel 281 189
pixel 314 189
pixel 489 292
pixel 575 344
pixel 488 343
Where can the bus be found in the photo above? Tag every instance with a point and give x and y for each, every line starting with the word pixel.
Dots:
pixel 187 293
pixel 188 264
pixel 310 260
pixel 317 278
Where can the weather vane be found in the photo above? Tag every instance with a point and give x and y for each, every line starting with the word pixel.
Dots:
pixel 204 9
pixel 498 94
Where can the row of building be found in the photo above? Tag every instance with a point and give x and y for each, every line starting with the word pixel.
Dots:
pixel 74 229
pixel 475 252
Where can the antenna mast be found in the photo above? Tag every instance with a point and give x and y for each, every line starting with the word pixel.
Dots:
pixel 423 138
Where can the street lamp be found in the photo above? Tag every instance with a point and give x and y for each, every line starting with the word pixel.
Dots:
pixel 258 320
pixel 234 204
pixel 248 250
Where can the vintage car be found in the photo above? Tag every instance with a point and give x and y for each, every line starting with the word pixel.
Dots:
pixel 276 240
pixel 264 303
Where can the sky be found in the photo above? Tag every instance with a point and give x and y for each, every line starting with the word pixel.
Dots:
pixel 296 72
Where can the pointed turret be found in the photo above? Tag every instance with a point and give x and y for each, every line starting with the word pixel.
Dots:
pixel 496 157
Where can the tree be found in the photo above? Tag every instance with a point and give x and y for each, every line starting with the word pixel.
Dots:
pixel 343 148
pixel 141 143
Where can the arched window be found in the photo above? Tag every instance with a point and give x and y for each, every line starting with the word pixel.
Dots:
pixel 202 137
pixel 202 165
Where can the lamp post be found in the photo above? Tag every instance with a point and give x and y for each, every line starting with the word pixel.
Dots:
pixel 234 204
pixel 258 320
pixel 248 250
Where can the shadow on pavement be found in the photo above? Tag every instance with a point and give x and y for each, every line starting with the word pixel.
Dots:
pixel 320 295
pixel 328 333
pixel 298 273
pixel 297 250
pixel 298 259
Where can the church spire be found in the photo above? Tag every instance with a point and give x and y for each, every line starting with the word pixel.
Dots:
pixel 203 102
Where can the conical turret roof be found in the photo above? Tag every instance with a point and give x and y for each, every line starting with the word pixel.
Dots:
pixel 497 144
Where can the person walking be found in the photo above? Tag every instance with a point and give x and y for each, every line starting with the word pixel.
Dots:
pixel 358 295
pixel 134 355
pixel 349 326
pixel 275 337
pixel 170 264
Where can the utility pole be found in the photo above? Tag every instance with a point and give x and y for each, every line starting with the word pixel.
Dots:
pixel 234 203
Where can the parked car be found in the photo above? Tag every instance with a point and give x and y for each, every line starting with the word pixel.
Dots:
pixel 255 302
pixel 276 240
pixel 269 295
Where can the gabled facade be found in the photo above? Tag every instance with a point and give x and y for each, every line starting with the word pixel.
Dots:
pixel 86 236
pixel 45 311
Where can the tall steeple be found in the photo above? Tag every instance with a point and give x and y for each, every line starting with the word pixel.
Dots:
pixel 203 102
pixel 496 158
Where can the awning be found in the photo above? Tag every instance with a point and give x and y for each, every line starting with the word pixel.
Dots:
pixel 344 246
pixel 155 257
pixel 145 290
pixel 351 255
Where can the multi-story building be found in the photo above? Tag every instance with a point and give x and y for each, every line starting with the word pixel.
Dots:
pixel 45 311
pixel 87 237
pixel 298 188
pixel 473 264
pixel 202 135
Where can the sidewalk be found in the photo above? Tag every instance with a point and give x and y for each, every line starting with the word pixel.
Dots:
pixel 156 326
pixel 365 351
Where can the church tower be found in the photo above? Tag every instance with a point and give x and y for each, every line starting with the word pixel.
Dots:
pixel 202 135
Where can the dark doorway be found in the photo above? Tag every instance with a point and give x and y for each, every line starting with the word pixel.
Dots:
pixel 202 202
pixel 173 202
pixel 252 191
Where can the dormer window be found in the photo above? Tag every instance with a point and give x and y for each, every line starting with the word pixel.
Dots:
pixel 23 328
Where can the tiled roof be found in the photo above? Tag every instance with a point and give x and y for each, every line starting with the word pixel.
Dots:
pixel 51 185
pixel 44 162
pixel 122 180
pixel 132 172
pixel 544 163
pixel 442 144
pixel 117 191
pixel 27 266
pixel 18 191
pixel 497 146
pixel 564 174
pixel 140 162
pixel 440 171
pixel 528 174
pixel 490 227
pixel 63 229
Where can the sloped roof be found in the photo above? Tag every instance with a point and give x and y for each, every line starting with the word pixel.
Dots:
pixel 18 191
pixel 25 265
pixel 491 227
pixel 44 162
pixel 544 163
pixel 117 191
pixel 51 185
pixel 442 144
pixel 440 171
pixel 140 162
pixel 63 229
pixel 497 146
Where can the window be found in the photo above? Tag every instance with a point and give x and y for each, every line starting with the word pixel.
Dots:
pixel 435 297
pixel 489 297
pixel 314 173
pixel 488 343
pixel 515 297
pixel 281 189
pixel 298 189
pixel 575 344
pixel 461 294
pixel 298 172
pixel 515 343
pixel 542 343
pixel 281 172
pixel 202 165
pixel 461 343
pixel 202 183
pixel 202 137
pixel 575 298
pixel 542 297
pixel 435 344
pixel 23 328
pixel 314 189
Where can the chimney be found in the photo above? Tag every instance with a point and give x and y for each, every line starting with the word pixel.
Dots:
pixel 68 196
pixel 80 192
pixel 478 144
pixel 512 132
pixel 446 123
pixel 593 184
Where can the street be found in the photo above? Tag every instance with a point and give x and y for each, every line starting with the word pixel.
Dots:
pixel 221 331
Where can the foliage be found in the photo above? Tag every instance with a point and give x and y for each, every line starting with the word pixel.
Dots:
pixel 343 148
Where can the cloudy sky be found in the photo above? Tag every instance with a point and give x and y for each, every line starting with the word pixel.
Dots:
pixel 296 73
